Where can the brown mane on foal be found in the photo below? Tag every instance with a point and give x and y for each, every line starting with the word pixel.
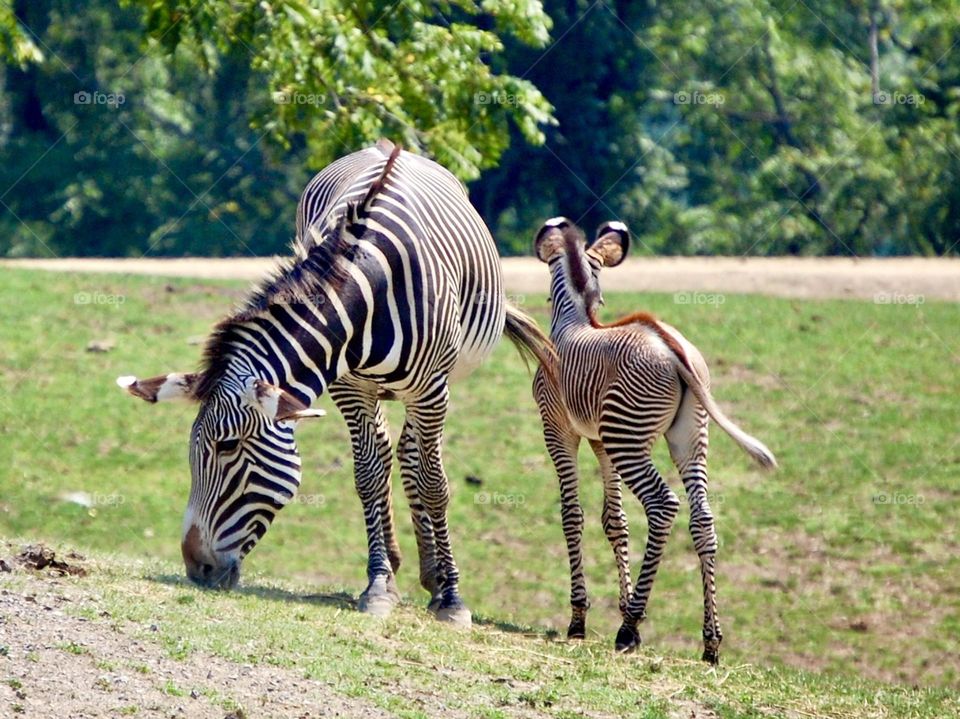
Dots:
pixel 293 281
pixel 648 320
pixel 577 264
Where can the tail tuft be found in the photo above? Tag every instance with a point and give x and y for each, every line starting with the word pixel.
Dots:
pixel 531 341
pixel 759 452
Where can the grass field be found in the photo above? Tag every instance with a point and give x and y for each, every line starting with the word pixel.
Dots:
pixel 137 639
pixel 845 561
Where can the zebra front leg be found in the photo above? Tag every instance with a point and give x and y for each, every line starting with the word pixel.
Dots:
pixel 363 415
pixel 407 454
pixel 615 522
pixel 426 416
pixel 660 505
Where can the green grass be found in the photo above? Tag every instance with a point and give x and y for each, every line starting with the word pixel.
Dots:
pixel 846 560
pixel 488 671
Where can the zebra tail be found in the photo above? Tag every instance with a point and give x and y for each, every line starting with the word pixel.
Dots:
pixel 531 341
pixel 757 450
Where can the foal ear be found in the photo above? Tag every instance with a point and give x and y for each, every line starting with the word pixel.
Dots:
pixel 177 385
pixel 550 237
pixel 612 243
pixel 277 404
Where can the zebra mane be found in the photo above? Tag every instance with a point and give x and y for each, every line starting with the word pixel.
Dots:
pixel 578 268
pixel 302 279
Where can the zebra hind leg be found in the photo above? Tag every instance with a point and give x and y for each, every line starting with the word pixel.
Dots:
pixel 386 511
pixel 615 522
pixel 364 417
pixel 660 505
pixel 426 549
pixel 427 416
pixel 562 447
pixel 687 440
pixel 562 444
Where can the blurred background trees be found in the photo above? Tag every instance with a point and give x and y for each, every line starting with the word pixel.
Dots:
pixel 165 127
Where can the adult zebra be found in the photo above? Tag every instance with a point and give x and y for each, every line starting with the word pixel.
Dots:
pixel 395 290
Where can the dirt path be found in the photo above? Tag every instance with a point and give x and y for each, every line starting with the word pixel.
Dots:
pixel 887 281
pixel 55 664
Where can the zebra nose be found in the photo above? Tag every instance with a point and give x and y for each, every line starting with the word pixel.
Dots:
pixel 199 565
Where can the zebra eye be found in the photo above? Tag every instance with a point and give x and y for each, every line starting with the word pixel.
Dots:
pixel 226 446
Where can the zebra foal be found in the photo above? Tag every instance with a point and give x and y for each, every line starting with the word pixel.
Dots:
pixel 621 386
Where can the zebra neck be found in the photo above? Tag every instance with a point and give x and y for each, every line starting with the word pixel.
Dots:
pixel 300 346
pixel 568 312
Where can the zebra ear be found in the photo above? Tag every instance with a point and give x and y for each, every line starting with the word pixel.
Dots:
pixel 177 385
pixel 612 243
pixel 277 404
pixel 550 237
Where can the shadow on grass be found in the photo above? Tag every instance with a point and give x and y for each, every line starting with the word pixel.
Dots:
pixel 511 628
pixel 340 600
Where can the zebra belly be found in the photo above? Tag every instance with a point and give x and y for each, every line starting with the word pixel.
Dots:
pixel 472 355
pixel 589 430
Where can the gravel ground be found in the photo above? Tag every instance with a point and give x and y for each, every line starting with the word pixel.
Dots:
pixel 58 665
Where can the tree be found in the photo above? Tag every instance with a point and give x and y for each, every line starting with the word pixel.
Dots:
pixel 343 74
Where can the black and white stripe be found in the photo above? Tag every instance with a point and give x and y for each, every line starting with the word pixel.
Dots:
pixel 395 290
pixel 622 386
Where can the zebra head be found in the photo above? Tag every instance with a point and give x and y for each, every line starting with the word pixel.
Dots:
pixel 575 265
pixel 244 466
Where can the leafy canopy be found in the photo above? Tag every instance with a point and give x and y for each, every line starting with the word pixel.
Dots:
pixel 343 74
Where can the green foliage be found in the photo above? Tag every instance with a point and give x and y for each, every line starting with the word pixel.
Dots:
pixel 15 44
pixel 115 150
pixel 711 127
pixel 344 74
pixel 745 127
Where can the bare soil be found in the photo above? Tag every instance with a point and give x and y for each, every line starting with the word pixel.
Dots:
pixel 910 280
pixel 56 664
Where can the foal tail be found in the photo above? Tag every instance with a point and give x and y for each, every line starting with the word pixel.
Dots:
pixel 531 341
pixel 757 450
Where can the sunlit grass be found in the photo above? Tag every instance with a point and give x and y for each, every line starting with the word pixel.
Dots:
pixel 846 559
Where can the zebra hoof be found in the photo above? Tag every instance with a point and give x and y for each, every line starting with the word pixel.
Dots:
pixel 459 617
pixel 628 639
pixel 711 655
pixel 453 611
pixel 577 629
pixel 379 598
pixel 434 606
